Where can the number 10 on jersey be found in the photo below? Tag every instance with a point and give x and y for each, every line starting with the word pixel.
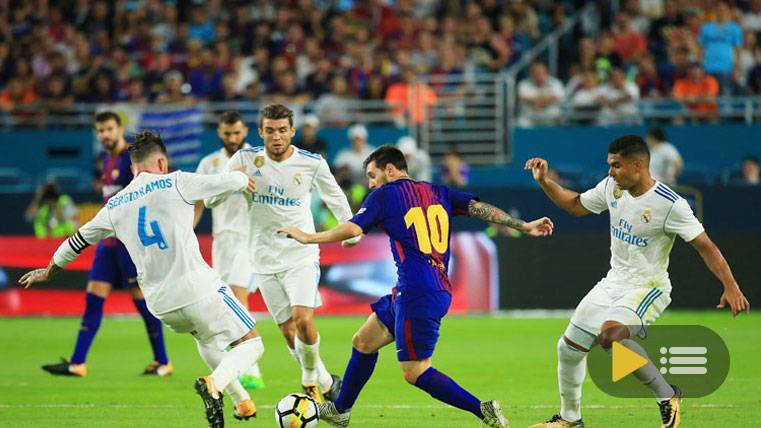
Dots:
pixel 431 228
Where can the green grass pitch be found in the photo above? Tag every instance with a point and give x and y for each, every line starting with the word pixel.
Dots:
pixel 510 359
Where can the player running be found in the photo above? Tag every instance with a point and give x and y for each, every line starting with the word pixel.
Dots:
pixel 229 227
pixel 153 216
pixel 287 273
pixel 416 216
pixel 645 218
pixel 112 266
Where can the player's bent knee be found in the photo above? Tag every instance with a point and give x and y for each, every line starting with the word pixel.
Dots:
pixel 361 344
pixel 612 332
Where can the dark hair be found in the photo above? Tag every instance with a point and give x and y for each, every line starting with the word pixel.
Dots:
pixel 108 115
pixel 146 144
pixel 230 118
pixel 751 158
pixel 658 133
pixel 629 145
pixel 385 155
pixel 275 111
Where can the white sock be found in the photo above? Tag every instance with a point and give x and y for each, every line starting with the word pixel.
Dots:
pixel 236 361
pixel 295 355
pixel 649 375
pixel 212 357
pixel 572 369
pixel 309 355
pixel 324 377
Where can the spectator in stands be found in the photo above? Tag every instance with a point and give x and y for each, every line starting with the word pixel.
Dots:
pixel 353 157
pixel 751 172
pixel 418 161
pixel 754 80
pixel 454 170
pixel 698 92
pixel 748 56
pixel 628 43
pixel 175 90
pixel 52 213
pixel 662 29
pixel 136 92
pixel 410 99
pixel 619 100
pixel 586 101
pixel 606 57
pixel 665 161
pixel 649 82
pixel 720 41
pixel 752 18
pixel 539 96
pixel 308 138
pixel 206 79
pixel 16 96
pixel 333 107
pixel 228 91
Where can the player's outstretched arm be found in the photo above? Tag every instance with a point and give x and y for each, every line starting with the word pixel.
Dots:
pixel 492 214
pixel 342 232
pixel 718 265
pixel 566 199
pixel 39 275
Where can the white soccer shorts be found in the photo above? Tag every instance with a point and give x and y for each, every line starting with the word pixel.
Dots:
pixel 230 257
pixel 632 306
pixel 294 287
pixel 217 320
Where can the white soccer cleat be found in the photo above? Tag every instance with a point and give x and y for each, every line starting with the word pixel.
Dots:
pixel 493 416
pixel 330 415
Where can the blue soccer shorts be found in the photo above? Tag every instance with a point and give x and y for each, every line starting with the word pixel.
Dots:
pixel 112 264
pixel 414 323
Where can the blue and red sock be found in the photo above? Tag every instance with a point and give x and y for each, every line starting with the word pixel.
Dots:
pixel 91 320
pixel 443 388
pixel 155 332
pixel 357 373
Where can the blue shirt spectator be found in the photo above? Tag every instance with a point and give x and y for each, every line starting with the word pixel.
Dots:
pixel 719 40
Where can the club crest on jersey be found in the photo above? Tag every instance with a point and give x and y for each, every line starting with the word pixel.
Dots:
pixel 215 162
pixel 114 174
pixel 647 215
pixel 259 161
pixel 297 178
pixel 617 192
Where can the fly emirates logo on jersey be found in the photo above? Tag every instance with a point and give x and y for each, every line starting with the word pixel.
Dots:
pixel 164 183
pixel 623 231
pixel 275 196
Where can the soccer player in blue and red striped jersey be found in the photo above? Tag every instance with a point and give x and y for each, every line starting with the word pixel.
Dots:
pixel 416 216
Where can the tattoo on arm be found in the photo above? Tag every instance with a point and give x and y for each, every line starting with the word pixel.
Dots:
pixel 492 214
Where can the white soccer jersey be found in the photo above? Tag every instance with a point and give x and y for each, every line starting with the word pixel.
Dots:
pixel 153 217
pixel 282 197
pixel 232 214
pixel 642 231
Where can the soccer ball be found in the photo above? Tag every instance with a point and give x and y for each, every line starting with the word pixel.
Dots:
pixel 296 411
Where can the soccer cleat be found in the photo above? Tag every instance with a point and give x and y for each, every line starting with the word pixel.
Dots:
pixel 313 391
pixel 154 368
pixel 328 413
pixel 251 382
pixel 493 416
pixel 670 409
pixel 335 389
pixel 245 410
pixel 558 422
pixel 65 368
pixel 204 386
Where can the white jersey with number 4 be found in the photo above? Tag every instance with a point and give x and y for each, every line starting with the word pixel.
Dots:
pixel 642 231
pixel 153 217
pixel 282 197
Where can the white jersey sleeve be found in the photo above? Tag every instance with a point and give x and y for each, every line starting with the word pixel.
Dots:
pixel 594 199
pixel 195 187
pixel 100 227
pixel 330 192
pixel 234 164
pixel 681 221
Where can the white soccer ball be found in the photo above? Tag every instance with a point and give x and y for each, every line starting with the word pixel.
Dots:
pixel 296 411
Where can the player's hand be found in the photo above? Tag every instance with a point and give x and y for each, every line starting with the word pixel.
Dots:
pixel 348 243
pixel 540 227
pixel 251 182
pixel 37 275
pixel 538 167
pixel 735 299
pixel 294 233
